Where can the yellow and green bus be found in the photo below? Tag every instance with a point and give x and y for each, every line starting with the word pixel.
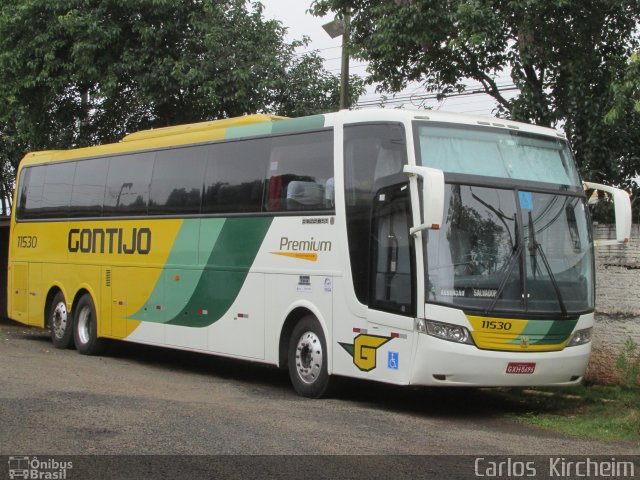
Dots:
pixel 395 246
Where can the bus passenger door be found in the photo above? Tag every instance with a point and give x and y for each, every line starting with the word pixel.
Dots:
pixel 36 299
pixel 392 284
pixel 104 307
pixel 119 289
pixel 20 292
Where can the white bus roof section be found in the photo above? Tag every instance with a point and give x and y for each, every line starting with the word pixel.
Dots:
pixel 406 115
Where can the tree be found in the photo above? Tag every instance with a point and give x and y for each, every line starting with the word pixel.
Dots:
pixel 82 72
pixel 562 55
pixel 625 116
pixel 626 93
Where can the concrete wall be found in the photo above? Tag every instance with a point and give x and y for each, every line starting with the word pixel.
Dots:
pixel 617 301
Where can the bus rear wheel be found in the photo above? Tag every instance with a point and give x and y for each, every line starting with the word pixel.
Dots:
pixel 60 322
pixel 85 328
pixel 307 359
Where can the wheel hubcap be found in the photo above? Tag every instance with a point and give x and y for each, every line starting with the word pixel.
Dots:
pixel 59 320
pixel 84 325
pixel 309 357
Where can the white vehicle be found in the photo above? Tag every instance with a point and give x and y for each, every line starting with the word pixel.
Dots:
pixel 413 248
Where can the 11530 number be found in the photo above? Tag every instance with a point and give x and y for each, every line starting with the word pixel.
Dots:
pixel 496 325
pixel 27 241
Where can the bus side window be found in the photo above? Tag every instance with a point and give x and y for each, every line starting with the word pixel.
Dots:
pixel 234 178
pixel 31 185
pixel 88 188
pixel 127 189
pixel 56 191
pixel 299 169
pixel 176 185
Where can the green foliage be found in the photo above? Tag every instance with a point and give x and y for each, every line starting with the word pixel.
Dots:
pixel 82 72
pixel 628 364
pixel 562 55
pixel 597 412
pixel 626 93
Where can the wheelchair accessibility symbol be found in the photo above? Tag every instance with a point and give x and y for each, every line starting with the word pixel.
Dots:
pixel 393 360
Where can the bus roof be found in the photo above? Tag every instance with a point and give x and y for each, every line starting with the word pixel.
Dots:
pixel 263 124
pixel 154 138
pixel 200 127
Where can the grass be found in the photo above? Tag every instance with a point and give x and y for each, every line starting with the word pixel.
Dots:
pixel 596 412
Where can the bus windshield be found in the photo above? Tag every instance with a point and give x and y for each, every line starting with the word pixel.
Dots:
pixel 496 152
pixel 510 249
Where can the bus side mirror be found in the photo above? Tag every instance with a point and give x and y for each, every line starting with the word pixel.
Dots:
pixel 622 206
pixel 432 196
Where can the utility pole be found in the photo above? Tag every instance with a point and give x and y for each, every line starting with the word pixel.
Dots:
pixel 344 70
pixel 336 28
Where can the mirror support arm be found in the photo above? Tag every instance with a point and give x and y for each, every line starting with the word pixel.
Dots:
pixel 432 196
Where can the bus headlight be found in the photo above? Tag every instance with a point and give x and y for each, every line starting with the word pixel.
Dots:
pixel 445 331
pixel 580 337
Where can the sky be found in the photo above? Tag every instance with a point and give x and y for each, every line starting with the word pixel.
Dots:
pixel 292 14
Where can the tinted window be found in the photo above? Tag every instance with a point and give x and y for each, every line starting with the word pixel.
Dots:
pixel 31 183
pixel 235 176
pixel 88 188
pixel 371 152
pixel 178 176
pixel 392 253
pixel 301 172
pixel 127 191
pixel 56 194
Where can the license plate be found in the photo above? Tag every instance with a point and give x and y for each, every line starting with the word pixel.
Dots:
pixel 521 368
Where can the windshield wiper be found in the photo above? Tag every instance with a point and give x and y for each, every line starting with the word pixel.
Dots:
pixel 500 214
pixel 515 256
pixel 535 247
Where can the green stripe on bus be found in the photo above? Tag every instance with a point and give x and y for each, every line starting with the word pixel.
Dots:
pixel 174 293
pixel 254 130
pixel 225 272
pixel 290 125
pixel 558 332
pixel 298 124
pixel 546 332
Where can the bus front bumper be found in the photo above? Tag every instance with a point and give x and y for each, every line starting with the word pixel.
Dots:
pixel 440 362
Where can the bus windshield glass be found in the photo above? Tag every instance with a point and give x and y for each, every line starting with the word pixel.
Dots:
pixel 510 249
pixel 494 152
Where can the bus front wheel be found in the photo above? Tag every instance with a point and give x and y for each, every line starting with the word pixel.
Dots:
pixel 85 327
pixel 60 323
pixel 308 359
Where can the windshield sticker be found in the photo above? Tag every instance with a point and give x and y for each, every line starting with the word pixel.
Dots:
pixel 452 292
pixel 526 200
pixel 469 292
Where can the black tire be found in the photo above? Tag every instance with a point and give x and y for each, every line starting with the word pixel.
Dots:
pixel 85 328
pixel 60 323
pixel 307 359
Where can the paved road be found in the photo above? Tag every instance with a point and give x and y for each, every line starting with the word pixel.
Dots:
pixel 144 400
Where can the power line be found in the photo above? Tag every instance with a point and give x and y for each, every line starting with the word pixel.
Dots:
pixel 316 50
pixel 351 67
pixel 431 96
